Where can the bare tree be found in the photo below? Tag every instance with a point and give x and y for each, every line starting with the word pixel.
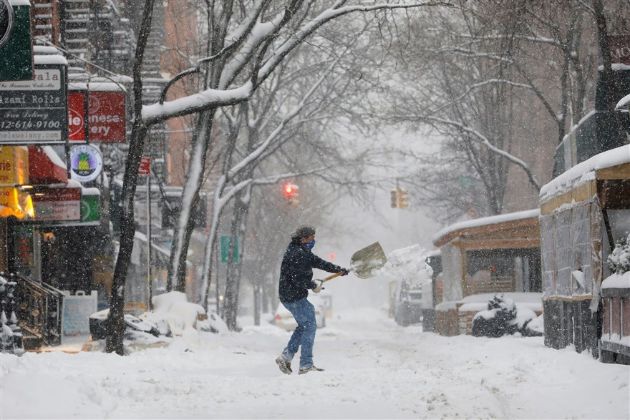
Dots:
pixel 249 40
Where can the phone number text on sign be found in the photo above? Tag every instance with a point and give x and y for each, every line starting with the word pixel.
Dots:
pixel 35 111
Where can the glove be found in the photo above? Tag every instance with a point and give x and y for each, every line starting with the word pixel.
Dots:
pixel 344 271
pixel 319 284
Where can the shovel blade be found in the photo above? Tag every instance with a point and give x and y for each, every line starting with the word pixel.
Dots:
pixel 366 261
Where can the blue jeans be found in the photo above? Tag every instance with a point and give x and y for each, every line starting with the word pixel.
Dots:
pixel 304 335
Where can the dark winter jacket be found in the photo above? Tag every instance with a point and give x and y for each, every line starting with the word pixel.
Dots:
pixel 296 272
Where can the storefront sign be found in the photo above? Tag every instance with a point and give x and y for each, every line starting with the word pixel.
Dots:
pixel 77 106
pixel 35 111
pixel 57 204
pixel 90 208
pixel 86 163
pixel 106 117
pixel 77 309
pixel 13 165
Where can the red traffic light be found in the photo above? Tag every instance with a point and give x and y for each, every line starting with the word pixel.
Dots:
pixel 290 190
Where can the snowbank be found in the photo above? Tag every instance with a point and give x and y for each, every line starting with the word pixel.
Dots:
pixel 174 309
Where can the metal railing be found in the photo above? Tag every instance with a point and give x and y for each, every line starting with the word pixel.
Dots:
pixel 39 309
pixel 10 331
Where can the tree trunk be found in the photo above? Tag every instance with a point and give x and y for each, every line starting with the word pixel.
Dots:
pixel 233 278
pixel 115 320
pixel 190 196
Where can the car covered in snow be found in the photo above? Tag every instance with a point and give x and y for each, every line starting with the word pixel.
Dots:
pixel 283 318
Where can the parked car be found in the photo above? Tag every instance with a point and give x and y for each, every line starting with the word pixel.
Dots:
pixel 283 318
pixel 408 303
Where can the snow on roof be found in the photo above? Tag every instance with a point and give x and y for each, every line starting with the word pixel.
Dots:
pixel 483 221
pixel 617 281
pixel 20 2
pixel 585 171
pixel 50 59
pixel 43 49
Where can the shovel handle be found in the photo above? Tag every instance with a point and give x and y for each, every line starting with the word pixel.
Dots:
pixel 332 276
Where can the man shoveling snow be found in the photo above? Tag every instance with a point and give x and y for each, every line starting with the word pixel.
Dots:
pixel 296 278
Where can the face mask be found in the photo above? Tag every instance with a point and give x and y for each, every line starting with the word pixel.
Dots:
pixel 310 245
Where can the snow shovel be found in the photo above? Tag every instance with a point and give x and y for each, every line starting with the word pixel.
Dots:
pixel 365 261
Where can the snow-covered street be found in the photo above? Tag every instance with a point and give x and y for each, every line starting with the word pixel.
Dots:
pixel 374 369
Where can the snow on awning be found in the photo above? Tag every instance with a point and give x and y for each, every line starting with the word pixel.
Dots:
pixel 585 171
pixel 441 237
pixel 45 166
pixel 623 102
pixel 97 86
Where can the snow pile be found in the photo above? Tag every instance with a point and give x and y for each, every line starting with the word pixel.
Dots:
pixel 619 263
pixel 503 317
pixel 173 309
pixel 619 259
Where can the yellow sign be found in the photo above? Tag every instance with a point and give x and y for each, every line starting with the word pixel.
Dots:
pixel 14 202
pixel 13 165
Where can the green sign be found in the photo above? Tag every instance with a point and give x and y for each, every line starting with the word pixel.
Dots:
pixel 16 53
pixel 225 249
pixel 90 208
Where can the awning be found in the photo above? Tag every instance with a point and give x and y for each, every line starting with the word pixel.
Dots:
pixel 45 166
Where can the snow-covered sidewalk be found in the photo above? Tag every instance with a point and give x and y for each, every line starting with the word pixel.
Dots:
pixel 374 369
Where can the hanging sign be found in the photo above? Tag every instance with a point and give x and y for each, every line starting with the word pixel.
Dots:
pixel 86 163
pixel 57 204
pixel 35 111
pixel 77 106
pixel 106 117
pixel 13 165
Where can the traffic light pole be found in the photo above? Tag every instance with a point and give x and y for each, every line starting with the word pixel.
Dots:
pixel 149 282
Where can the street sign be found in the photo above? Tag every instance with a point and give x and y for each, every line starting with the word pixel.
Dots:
pixel 35 111
pixel 145 166
pixel 225 249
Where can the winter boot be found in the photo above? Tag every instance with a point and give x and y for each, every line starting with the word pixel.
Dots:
pixel 309 369
pixel 284 365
